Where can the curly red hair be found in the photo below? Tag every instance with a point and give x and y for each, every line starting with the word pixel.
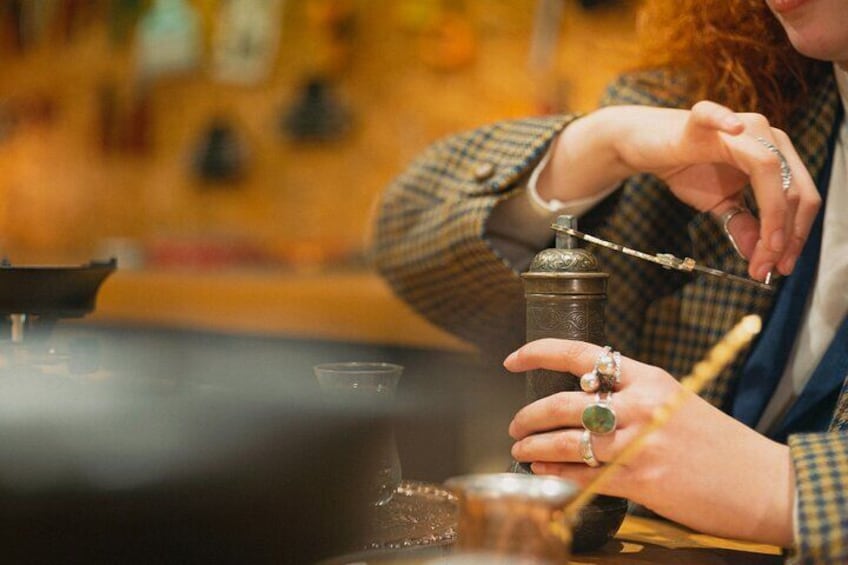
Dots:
pixel 732 51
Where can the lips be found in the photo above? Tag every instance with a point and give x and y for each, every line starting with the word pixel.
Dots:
pixel 784 6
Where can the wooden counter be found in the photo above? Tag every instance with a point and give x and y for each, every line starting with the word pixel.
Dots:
pixel 356 306
pixel 646 540
pixel 640 541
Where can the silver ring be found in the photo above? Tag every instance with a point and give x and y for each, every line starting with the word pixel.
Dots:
pixel 725 218
pixel 785 169
pixel 587 454
pixel 599 417
pixel 605 375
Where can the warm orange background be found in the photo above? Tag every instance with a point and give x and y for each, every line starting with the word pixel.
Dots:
pixel 62 198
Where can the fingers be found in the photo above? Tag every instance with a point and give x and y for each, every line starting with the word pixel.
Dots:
pixel 765 171
pixel 740 225
pixel 582 475
pixel 576 472
pixel 773 241
pixel 560 410
pixel 803 202
pixel 785 216
pixel 550 433
pixel 576 357
pixel 767 156
pixel 805 215
pixel 563 409
pixel 561 457
pixel 710 115
pixel 564 446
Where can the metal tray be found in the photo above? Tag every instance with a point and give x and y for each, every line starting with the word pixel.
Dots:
pixel 419 514
pixel 418 524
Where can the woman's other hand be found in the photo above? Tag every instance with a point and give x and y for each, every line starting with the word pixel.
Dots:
pixel 702 468
pixel 707 155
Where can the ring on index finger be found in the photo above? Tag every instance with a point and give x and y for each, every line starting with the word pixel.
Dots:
pixel 785 169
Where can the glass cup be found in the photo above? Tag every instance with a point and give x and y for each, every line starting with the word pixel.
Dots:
pixel 513 516
pixel 368 386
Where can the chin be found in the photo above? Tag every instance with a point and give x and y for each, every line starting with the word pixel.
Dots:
pixel 818 47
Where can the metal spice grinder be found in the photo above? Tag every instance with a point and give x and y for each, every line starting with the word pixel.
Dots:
pixel 565 292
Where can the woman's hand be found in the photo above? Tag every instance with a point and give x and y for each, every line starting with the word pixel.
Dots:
pixel 703 468
pixel 707 155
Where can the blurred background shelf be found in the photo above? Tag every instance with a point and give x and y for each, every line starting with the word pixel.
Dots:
pixel 344 305
pixel 96 147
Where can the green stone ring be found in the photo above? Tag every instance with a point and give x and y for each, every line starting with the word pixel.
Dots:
pixel 599 418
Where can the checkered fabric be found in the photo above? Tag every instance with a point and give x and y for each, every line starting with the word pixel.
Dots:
pixel 429 243
pixel 821 466
pixel 430 247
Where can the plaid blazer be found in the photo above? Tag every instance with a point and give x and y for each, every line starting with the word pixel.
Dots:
pixel 430 247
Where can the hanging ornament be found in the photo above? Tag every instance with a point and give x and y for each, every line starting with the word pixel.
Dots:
pixel 317 115
pixel 168 39
pixel 246 40
pixel 221 155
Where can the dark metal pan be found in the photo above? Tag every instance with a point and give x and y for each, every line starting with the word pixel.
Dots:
pixel 52 291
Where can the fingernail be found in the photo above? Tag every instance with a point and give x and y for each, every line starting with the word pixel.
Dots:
pixel 777 240
pixel 516 451
pixel 764 273
pixel 510 358
pixel 789 264
pixel 538 468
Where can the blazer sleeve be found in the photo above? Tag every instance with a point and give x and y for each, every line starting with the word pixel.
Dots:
pixel 429 242
pixel 429 239
pixel 820 461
